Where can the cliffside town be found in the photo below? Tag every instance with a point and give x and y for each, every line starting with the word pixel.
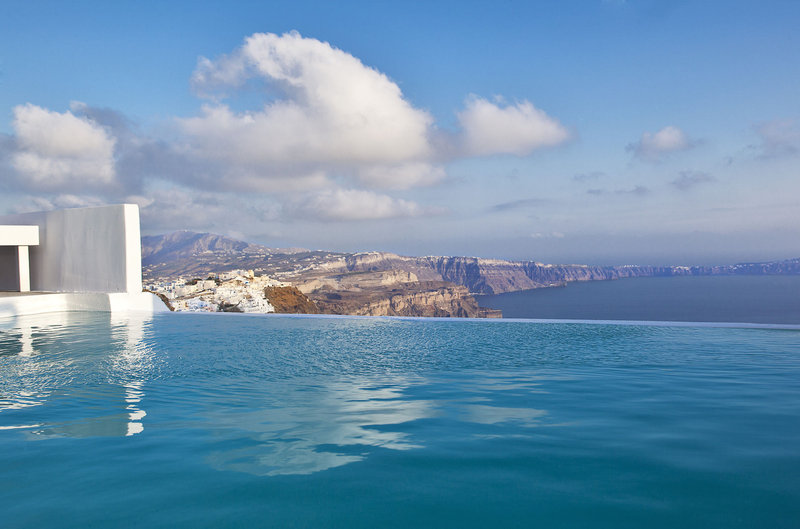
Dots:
pixel 201 271
pixel 359 293
pixel 233 291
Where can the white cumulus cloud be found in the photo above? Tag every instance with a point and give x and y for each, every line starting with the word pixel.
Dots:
pixel 355 204
pixel 653 146
pixel 519 129
pixel 326 138
pixel 328 111
pixel 61 150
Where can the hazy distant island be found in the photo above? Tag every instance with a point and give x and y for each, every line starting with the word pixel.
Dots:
pixel 208 272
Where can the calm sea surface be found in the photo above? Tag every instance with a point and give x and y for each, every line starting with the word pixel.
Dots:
pixel 753 299
pixel 186 420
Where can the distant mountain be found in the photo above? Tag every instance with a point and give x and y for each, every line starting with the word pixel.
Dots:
pixel 181 244
pixel 196 254
pixel 183 253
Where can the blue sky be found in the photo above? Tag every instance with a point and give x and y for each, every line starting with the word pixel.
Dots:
pixel 594 131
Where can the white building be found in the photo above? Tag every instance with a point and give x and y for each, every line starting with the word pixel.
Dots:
pixel 73 259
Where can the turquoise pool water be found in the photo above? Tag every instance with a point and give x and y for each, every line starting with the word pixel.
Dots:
pixel 250 421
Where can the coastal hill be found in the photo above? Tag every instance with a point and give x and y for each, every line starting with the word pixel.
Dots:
pixel 376 283
pixel 180 245
pixel 185 253
pixel 186 244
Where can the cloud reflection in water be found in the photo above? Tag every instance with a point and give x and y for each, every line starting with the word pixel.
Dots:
pixel 299 432
pixel 302 428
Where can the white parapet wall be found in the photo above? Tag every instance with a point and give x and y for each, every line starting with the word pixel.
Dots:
pixel 86 259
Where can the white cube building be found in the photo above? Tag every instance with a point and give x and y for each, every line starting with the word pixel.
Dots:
pixel 85 258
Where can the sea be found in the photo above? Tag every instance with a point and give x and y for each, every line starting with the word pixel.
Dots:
pixel 234 420
pixel 741 299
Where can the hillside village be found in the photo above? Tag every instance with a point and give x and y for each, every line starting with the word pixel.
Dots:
pixel 233 291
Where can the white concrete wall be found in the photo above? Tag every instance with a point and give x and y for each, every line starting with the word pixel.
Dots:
pixel 85 249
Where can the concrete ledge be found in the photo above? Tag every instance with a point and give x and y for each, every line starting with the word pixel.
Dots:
pixel 40 303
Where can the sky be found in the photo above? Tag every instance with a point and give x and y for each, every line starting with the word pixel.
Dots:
pixel 595 131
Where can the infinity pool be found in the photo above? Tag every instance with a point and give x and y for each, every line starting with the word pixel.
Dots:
pixel 227 420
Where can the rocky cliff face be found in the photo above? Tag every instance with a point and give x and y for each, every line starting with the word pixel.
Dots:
pixel 289 300
pixel 427 298
pixel 489 276
pixel 496 276
pixel 446 302
pixel 355 281
pixel 388 293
